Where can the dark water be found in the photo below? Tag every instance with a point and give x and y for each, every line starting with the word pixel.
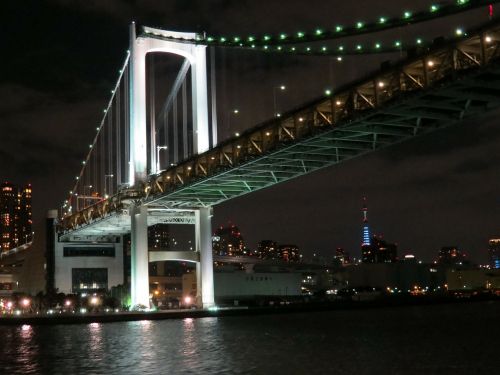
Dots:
pixel 446 339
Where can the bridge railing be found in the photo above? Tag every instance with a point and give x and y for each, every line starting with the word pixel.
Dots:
pixel 427 70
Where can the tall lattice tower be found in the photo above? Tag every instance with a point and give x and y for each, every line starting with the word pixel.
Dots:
pixel 366 228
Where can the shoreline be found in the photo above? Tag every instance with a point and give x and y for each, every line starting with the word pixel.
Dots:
pixel 77 318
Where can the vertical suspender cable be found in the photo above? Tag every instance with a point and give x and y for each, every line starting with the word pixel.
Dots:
pixel 175 125
pixel 110 152
pixel 118 139
pixel 184 121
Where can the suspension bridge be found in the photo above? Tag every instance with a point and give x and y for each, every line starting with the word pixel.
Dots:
pixel 147 166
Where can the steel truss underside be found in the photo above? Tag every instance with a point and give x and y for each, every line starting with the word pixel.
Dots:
pixel 423 113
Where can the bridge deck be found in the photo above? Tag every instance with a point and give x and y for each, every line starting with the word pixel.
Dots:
pixel 438 88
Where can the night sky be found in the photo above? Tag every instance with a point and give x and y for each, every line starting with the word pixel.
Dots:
pixel 60 59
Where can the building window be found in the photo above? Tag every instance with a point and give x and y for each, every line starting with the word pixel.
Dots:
pixel 71 251
pixel 89 279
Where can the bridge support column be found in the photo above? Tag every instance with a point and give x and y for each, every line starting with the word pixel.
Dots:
pixel 205 270
pixel 139 278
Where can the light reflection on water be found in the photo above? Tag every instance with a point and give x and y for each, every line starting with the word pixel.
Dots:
pixel 409 340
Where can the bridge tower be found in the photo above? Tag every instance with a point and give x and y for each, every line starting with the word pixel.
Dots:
pixel 157 40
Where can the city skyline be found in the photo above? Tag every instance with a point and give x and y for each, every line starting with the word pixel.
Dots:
pixel 426 193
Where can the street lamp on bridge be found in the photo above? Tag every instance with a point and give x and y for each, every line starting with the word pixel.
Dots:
pixel 106 176
pixel 275 100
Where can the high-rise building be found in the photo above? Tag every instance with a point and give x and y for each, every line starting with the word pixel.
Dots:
pixel 289 253
pixel 267 249
pixel 158 237
pixel 227 241
pixel 450 256
pixel 341 257
pixel 494 252
pixel 15 216
pixel 384 251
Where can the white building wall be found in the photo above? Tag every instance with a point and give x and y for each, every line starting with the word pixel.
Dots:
pixel 64 265
pixel 240 284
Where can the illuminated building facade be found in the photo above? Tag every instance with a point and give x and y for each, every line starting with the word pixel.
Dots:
pixel 494 253
pixel 227 241
pixel 158 237
pixel 289 253
pixel 450 256
pixel 15 216
pixel 341 257
pixel 268 249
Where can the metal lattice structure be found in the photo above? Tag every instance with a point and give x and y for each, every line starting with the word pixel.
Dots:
pixel 433 90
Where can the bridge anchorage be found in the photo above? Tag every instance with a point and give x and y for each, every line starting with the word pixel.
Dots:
pixel 439 87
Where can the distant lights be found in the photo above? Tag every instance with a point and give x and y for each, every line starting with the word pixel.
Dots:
pixel 359 47
pixel 419 41
pixel 319 31
pixel 459 32
pixel 236 134
pixel 487 39
pixel 300 34
pixel 282 36
pixel 338 102
pixel 359 25
pixel 434 8
pixel 251 38
pixel 377 45
pixel 397 43
pixel 381 84
pixel 339 58
pixel 430 63
pixel 338 28
pixel 267 37
pixel 382 20
pixel 407 14
pixel 222 39
pixel 328 92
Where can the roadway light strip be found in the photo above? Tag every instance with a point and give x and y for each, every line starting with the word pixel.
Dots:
pixel 435 11
pixel 359 49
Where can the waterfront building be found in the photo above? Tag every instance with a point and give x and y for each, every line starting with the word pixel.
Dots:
pixel 15 216
pixel 494 253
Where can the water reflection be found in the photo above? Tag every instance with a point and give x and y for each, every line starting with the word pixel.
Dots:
pixel 347 341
